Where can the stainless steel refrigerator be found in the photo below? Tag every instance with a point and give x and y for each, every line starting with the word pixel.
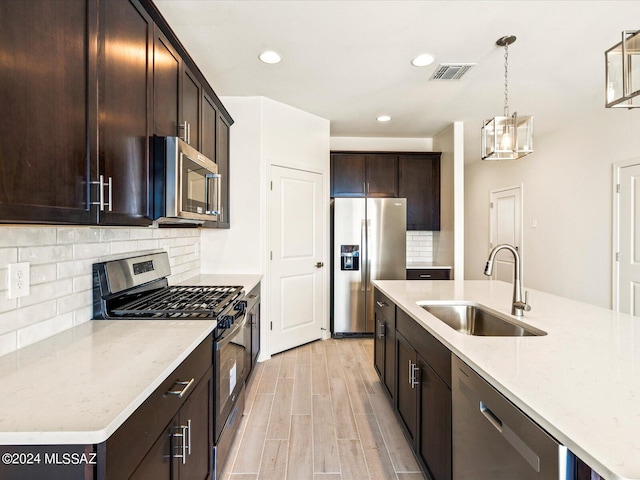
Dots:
pixel 369 243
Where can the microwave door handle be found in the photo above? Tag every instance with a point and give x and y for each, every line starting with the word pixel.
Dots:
pixel 212 209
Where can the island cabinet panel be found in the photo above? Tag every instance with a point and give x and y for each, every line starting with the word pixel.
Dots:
pixel 419 183
pixel 422 394
pixel 44 156
pixel 124 102
pixel 385 342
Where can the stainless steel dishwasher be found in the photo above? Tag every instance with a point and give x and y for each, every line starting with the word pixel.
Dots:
pixel 494 440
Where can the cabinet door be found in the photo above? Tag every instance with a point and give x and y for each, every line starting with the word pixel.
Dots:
pixel 209 119
pixel 166 87
pixel 407 400
pixel 348 175
pixel 157 463
pixel 435 423
pixel 222 160
pixel 378 344
pixel 419 183
pixel 197 415
pixel 390 359
pixel 382 175
pixel 191 108
pixel 43 126
pixel 124 105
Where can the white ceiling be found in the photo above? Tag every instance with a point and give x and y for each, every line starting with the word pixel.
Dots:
pixel 349 61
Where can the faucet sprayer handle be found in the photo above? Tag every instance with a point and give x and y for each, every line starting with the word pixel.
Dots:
pixel 527 307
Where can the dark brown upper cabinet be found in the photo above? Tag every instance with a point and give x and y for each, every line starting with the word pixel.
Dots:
pixel 222 159
pixel 362 175
pixel 44 149
pixel 414 176
pixel 125 63
pixel 167 70
pixel 84 86
pixel 419 183
pixel 191 108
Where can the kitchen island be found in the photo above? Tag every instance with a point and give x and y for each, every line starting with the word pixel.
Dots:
pixel 580 382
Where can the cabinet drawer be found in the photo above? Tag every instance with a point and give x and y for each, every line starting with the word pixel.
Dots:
pixel 126 448
pixel 385 306
pixel 428 274
pixel 428 347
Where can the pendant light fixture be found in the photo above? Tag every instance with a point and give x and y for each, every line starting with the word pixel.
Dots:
pixel 509 137
pixel 623 72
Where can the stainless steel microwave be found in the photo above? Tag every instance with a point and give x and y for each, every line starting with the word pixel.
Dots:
pixel 186 184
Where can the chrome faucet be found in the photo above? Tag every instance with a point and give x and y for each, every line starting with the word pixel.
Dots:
pixel 518 307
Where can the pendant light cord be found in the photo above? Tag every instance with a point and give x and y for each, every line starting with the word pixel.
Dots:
pixel 506 80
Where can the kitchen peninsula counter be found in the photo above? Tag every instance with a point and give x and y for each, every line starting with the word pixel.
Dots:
pixel 580 382
pixel 81 385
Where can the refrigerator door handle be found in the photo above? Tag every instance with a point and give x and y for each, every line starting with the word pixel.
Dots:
pixel 363 255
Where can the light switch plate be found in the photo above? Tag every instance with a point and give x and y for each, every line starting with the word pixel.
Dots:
pixel 19 279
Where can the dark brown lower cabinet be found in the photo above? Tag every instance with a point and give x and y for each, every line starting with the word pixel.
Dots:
pixel 184 449
pixel 434 440
pixel 422 377
pixel 407 399
pixel 384 345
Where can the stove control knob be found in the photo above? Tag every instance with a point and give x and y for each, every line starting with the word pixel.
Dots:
pixel 240 306
pixel 225 321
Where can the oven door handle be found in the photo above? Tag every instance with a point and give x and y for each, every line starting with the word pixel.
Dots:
pixel 231 333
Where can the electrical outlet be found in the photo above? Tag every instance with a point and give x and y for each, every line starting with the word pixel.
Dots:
pixel 19 279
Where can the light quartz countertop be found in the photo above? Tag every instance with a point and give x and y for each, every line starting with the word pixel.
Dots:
pixel 79 386
pixel 580 382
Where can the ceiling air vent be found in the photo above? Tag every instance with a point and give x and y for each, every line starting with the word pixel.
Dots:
pixel 451 71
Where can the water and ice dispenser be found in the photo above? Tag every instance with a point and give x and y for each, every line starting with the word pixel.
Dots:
pixel 349 257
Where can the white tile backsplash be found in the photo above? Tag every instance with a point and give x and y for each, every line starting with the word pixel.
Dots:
pixel 419 247
pixel 61 258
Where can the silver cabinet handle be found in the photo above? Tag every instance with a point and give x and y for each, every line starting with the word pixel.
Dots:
pixel 189 436
pixel 101 197
pixel 381 330
pixel 183 126
pixel 181 433
pixel 381 304
pixel 180 393
pixel 188 133
pixel 424 275
pixel 413 368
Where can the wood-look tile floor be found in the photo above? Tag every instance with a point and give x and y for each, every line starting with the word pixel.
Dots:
pixel 318 412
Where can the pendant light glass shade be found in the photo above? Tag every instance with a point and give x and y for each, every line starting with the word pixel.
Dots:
pixel 508 137
pixel 623 72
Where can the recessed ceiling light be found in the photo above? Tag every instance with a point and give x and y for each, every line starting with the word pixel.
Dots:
pixel 423 60
pixel 270 57
pixel 383 118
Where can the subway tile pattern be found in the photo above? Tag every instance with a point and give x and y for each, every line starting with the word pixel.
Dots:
pixel 60 272
pixel 419 247
pixel 319 412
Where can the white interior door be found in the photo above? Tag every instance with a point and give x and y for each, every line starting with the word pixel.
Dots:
pixel 506 227
pixel 629 241
pixel 298 286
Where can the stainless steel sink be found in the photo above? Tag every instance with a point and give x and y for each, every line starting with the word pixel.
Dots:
pixel 474 319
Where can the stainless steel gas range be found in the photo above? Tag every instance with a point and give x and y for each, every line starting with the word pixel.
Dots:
pixel 138 288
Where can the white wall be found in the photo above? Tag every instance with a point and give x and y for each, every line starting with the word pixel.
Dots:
pixel 567 191
pixel 390 144
pixel 264 133
pixel 60 261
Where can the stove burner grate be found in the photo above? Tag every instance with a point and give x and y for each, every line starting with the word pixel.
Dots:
pixel 181 302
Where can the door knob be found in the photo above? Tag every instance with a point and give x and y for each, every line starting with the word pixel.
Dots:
pixel 319 265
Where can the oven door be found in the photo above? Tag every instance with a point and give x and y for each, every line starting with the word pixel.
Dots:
pixel 199 187
pixel 232 353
